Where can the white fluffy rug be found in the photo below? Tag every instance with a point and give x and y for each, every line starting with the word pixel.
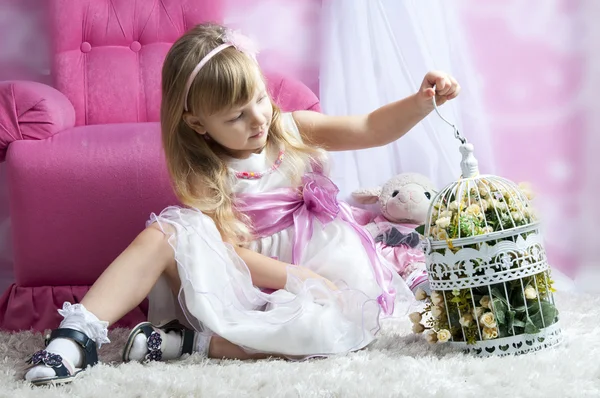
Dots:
pixel 397 365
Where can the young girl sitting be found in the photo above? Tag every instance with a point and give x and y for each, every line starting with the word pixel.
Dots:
pixel 263 259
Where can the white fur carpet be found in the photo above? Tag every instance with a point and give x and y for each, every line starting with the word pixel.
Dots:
pixel 397 365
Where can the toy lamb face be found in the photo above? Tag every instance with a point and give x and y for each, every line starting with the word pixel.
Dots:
pixel 404 198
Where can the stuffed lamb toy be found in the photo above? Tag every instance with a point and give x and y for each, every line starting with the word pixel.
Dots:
pixel 404 201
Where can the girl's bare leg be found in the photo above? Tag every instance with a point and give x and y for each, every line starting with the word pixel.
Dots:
pixel 131 276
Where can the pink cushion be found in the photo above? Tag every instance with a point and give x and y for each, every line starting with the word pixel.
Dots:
pixel 78 198
pixel 109 54
pixel 31 111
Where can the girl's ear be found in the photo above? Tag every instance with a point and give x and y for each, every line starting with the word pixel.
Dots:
pixel 367 196
pixel 194 123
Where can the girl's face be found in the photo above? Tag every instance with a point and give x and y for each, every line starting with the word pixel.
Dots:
pixel 242 130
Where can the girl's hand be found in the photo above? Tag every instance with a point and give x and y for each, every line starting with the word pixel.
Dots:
pixel 446 88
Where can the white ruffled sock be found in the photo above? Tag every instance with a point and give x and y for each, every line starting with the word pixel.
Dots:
pixel 171 346
pixel 76 317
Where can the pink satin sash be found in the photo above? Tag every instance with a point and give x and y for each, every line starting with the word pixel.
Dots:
pixel 276 210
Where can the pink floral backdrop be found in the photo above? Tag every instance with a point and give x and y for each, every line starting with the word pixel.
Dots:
pixel 533 63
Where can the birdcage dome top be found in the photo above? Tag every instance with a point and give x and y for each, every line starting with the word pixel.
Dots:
pixel 477 206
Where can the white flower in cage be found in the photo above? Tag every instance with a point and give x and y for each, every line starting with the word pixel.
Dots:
pixel 500 206
pixel 443 335
pixel 431 337
pixel 466 320
pixel 453 206
pixel 437 311
pixel 418 328
pixel 437 298
pixel 487 230
pixel 415 317
pixel 488 320
pixel 442 235
pixel 484 204
pixel 443 222
pixel 517 216
pixel 483 192
pixel 420 294
pixel 530 293
pixel 489 333
pixel 474 210
pixel 446 213
pixel 485 302
pixel 478 312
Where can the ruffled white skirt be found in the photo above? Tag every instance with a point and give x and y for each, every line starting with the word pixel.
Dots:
pixel 305 319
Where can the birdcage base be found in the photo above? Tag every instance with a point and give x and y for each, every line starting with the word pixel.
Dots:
pixel 513 345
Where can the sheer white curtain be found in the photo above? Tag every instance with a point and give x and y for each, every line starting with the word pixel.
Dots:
pixel 377 51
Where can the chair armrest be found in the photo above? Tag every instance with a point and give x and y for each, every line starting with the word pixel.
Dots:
pixel 31 111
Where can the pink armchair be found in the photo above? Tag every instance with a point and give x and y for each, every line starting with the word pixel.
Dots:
pixel 84 160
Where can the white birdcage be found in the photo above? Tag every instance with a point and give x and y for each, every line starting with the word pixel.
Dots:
pixel 491 290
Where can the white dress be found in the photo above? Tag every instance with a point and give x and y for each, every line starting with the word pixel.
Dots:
pixel 305 319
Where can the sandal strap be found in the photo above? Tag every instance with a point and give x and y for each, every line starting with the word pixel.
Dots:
pixel 187 335
pixel 90 353
pixel 51 360
pixel 154 339
pixel 188 341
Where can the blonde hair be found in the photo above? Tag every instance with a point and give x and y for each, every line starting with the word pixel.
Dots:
pixel 199 174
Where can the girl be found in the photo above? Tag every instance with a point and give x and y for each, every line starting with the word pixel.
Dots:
pixel 263 259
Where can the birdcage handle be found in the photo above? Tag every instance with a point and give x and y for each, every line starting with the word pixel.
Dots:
pixel 457 135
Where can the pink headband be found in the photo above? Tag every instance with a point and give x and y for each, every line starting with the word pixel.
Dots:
pixel 231 38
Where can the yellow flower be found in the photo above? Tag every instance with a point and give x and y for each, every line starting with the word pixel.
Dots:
pixel 488 320
pixel 489 333
pixel 443 335
pixel 483 192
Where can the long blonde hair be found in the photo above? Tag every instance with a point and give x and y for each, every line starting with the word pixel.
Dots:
pixel 200 176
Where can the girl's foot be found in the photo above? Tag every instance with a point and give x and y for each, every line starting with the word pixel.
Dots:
pixel 147 342
pixel 68 352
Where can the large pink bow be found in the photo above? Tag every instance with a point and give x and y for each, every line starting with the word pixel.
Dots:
pixel 279 209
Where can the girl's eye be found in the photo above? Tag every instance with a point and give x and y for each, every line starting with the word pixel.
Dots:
pixel 237 117
pixel 262 98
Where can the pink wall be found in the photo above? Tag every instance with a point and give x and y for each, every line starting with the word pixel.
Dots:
pixel 530 58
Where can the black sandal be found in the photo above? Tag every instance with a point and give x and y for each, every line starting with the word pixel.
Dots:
pixel 154 337
pixel 63 369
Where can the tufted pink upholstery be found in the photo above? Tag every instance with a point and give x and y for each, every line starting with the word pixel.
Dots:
pixel 84 161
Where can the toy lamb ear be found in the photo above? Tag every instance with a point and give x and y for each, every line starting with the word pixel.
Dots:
pixel 367 196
